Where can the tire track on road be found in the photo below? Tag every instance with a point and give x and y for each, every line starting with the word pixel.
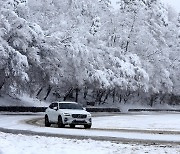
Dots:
pixel 97 138
pixel 40 122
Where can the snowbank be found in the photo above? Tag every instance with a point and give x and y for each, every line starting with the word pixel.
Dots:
pixel 53 145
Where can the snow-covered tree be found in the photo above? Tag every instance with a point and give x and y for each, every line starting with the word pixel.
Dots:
pixel 84 50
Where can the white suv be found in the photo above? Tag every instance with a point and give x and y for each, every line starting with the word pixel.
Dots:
pixel 67 113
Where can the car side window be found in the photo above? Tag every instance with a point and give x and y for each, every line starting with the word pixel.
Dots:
pixel 55 104
pixel 51 106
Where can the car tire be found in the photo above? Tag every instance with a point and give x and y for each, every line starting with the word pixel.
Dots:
pixel 46 121
pixel 60 122
pixel 87 126
pixel 72 126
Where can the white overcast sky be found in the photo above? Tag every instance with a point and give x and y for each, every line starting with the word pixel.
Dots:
pixel 174 3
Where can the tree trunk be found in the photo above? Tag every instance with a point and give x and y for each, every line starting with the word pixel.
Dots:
pixel 114 92
pixel 3 77
pixel 125 100
pixel 127 44
pixel 106 97
pixel 2 85
pixel 99 96
pixel 48 92
pixel 129 36
pixel 85 92
pixel 126 97
pixel 77 94
pixel 120 98
pixel 153 98
pixel 151 101
pixel 162 98
pixel 39 91
pixel 68 93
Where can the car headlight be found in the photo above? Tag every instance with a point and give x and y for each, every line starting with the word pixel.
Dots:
pixel 67 114
pixel 89 115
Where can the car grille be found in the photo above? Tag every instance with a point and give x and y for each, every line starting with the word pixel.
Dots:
pixel 80 116
pixel 79 122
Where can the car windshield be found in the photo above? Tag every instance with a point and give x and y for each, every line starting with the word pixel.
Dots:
pixel 70 106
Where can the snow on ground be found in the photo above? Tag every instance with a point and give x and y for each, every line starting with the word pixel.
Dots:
pixel 21 144
pixel 23 100
pixel 17 144
pixel 168 121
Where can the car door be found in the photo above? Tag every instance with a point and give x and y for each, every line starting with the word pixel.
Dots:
pixel 54 112
pixel 51 112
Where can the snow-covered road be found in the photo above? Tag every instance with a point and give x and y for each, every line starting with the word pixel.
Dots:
pixel 146 127
pixel 122 128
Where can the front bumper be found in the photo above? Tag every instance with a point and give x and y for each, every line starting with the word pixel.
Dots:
pixel 69 120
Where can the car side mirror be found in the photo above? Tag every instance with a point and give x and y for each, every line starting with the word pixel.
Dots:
pixel 55 108
pixel 84 108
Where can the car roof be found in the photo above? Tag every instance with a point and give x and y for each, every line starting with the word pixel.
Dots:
pixel 66 102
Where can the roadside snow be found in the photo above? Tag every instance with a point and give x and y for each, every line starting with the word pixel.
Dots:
pixel 18 144
pixel 23 100
pixel 168 121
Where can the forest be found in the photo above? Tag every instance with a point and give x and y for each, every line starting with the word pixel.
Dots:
pixel 84 50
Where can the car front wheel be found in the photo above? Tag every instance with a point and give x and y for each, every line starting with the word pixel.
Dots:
pixel 72 126
pixel 60 122
pixel 87 126
pixel 46 121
